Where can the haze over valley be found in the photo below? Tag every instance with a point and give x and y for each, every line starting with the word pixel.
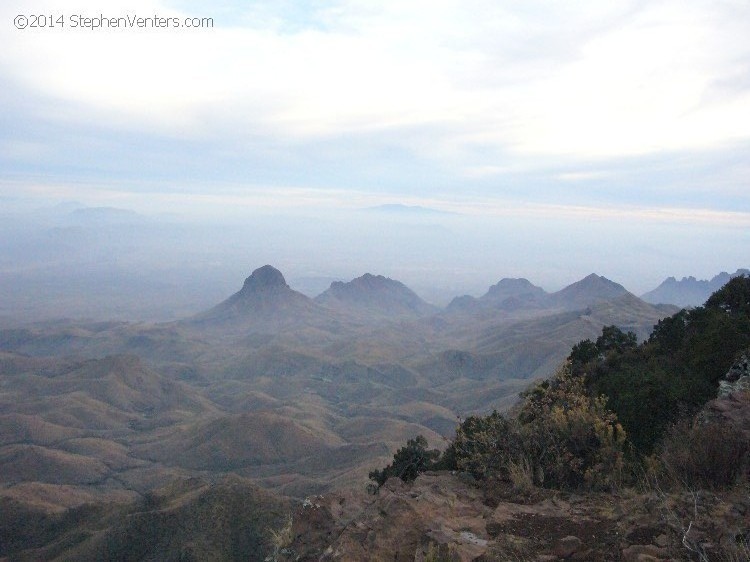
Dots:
pixel 68 260
pixel 299 394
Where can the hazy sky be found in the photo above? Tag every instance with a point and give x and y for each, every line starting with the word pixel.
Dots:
pixel 632 114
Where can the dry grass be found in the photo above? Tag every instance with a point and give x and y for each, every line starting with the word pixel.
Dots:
pixel 521 475
pixel 282 537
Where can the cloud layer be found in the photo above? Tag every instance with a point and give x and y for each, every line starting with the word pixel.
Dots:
pixel 529 101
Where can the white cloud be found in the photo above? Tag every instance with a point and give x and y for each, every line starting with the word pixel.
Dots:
pixel 641 88
pixel 536 78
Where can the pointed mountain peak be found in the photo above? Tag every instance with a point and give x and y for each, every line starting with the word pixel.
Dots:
pixel 594 280
pixel 264 303
pixel 263 279
pixel 589 290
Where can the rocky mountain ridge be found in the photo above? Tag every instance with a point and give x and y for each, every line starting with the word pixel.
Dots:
pixel 689 291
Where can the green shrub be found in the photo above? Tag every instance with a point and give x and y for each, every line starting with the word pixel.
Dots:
pixel 562 438
pixel 486 445
pixel 571 439
pixel 674 373
pixel 408 462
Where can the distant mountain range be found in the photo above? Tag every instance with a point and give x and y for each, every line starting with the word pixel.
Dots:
pixel 689 291
pixel 518 294
pixel 375 294
pixel 266 302
pixel 104 216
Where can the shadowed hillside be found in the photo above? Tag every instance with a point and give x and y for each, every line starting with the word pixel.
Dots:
pixel 190 520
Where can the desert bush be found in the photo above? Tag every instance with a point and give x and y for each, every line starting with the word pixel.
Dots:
pixel 486 445
pixel 561 438
pixel 521 475
pixel 614 339
pixel 675 372
pixel 408 462
pixel 733 298
pixel 710 456
pixel 571 439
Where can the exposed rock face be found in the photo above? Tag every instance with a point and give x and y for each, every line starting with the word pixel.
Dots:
pixel 737 378
pixel 732 404
pixel 264 279
pixel 400 523
pixel 732 410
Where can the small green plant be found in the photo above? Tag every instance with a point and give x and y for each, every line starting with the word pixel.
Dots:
pixel 408 462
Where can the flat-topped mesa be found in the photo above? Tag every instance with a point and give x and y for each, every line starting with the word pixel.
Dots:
pixel 263 279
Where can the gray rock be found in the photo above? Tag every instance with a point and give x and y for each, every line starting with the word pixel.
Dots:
pixel 567 546
pixel 737 378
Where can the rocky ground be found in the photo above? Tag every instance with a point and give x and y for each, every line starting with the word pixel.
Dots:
pixel 445 516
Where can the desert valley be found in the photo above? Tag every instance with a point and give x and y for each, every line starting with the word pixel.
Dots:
pixel 269 394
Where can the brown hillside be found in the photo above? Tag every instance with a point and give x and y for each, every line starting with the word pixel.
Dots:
pixel 231 442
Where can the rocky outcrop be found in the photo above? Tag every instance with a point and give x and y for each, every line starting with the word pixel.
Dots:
pixel 731 407
pixel 444 516
pixel 266 278
pixel 737 378
pixel 731 411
